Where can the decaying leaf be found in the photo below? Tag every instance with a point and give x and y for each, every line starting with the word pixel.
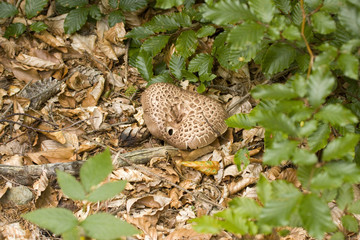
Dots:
pixel 206 167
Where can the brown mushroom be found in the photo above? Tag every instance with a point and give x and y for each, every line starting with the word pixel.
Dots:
pixel 184 119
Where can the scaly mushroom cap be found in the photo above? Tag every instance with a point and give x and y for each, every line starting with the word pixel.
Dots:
pixel 184 119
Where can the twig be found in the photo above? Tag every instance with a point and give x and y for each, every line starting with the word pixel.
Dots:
pixel 28 115
pixel 305 40
pixel 126 60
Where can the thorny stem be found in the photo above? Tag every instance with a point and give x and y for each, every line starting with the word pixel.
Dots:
pixel 305 40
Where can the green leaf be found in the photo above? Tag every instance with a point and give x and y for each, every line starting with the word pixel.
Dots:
pixel 176 64
pixel 70 186
pixel 113 3
pixel 72 234
pixel 340 147
pixel 279 151
pixel 240 121
pixel 106 191
pixel 207 224
pixel 292 32
pixel 350 223
pixel 323 23
pixel 14 30
pixel 304 157
pixel 274 91
pixel 72 3
pixel 186 43
pixel 264 9
pixel 205 31
pixel 154 45
pixel 349 64
pixel 242 157
pixel 337 236
pixel 319 138
pixel 227 11
pixel 323 180
pixel 132 5
pixel 299 85
pixel 348 171
pixel 163 77
pixel 34 7
pixel 144 65
pixel 38 27
pixel 116 17
pixel 245 207
pixel 232 222
pixel 162 23
pixel 182 18
pixel 189 76
pixel 95 13
pixel 96 169
pixel 319 87
pixel 166 4
pixel 278 57
pixel 207 77
pixel 315 215
pixel 106 226
pixel 345 196
pixel 139 33
pixel 7 10
pixel 201 63
pixel 75 20
pixel 336 114
pixel 283 5
pixel 278 212
pixel 349 17
pixel 246 34
pixel 201 88
pixel 275 122
pixel 354 207
pixel 264 190
pixel 57 220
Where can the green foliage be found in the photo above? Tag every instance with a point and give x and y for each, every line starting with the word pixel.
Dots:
pixel 33 7
pixel 101 225
pixel 14 30
pixel 7 10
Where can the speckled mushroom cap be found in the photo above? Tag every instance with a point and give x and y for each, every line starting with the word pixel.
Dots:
pixel 184 119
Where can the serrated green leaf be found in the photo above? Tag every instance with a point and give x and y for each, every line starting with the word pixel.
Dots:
pixel 323 180
pixel 245 207
pixel 154 45
pixel 132 5
pixel 323 23
pixel 264 190
pixel 139 33
pixel 182 18
pixel 350 223
pixel 176 65
pixel 207 224
pixel 75 20
pixel 299 85
pixel 275 122
pixel 232 222
pixel 166 4
pixel 349 64
pixel 144 65
pixel 319 138
pixel 116 17
pixel 340 147
pixel 95 13
pixel 38 27
pixel 240 121
pixel 162 23
pixel 278 57
pixel 95 170
pixel 319 87
pixel 279 151
pixel 106 191
pixel 345 196
pixel 264 9
pixel 349 17
pixel 70 186
pixel 336 114
pixel 304 157
pixel 186 43
pixel 348 171
pixel 33 7
pixel 227 11
pixel 163 77
pixel 205 31
pixel 189 76
pixel 57 220
pixel 113 3
pixel 283 5
pixel 242 159
pixel 72 3
pixel 354 207
pixel 14 30
pixel 201 63
pixel 332 6
pixel 7 10
pixel 292 33
pixel 274 91
pixel 207 77
pixel 277 212
pixel 315 215
pixel 246 34
pixel 106 226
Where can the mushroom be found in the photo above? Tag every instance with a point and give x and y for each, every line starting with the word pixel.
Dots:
pixel 184 119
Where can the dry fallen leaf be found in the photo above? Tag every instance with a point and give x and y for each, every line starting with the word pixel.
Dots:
pixel 206 167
